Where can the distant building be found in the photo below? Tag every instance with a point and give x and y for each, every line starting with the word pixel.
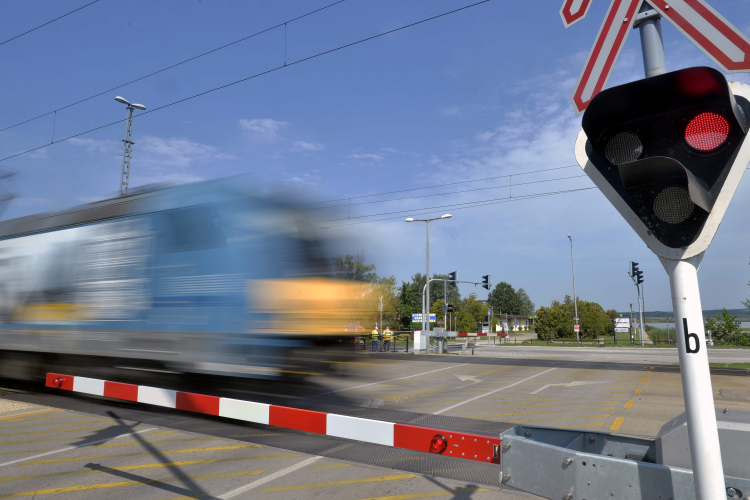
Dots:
pixel 525 323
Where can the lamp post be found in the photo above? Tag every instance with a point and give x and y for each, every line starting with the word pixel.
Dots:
pixel 127 144
pixel 425 304
pixel 575 296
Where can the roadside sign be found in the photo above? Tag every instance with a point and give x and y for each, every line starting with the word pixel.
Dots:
pixel 715 36
pixel 417 317
pixel 607 46
pixel 726 45
pixel 576 328
pixel 622 323
pixel 573 11
pixel 621 330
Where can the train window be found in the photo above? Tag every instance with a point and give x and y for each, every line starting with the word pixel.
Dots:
pixel 195 228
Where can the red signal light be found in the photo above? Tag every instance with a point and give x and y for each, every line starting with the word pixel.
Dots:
pixel 58 382
pixel 707 131
pixel 438 444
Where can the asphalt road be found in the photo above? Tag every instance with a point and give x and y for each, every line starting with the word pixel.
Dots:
pixel 605 354
pixel 66 446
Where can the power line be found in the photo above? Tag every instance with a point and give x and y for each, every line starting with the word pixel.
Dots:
pixel 48 22
pixel 171 66
pixel 272 70
pixel 438 185
pixel 450 192
pixel 477 204
pixel 451 206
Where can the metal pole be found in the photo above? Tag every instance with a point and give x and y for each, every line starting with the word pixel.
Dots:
pixel 427 300
pixel 643 324
pixel 640 312
pixel 652 44
pixel 632 322
pixel 708 471
pixel 445 305
pixel 575 296
pixel 127 145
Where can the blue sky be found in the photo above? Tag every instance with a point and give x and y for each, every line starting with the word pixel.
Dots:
pixel 475 95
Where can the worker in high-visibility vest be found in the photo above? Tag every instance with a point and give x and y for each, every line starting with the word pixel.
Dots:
pixel 387 338
pixel 375 342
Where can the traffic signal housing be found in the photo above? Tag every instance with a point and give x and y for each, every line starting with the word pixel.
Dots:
pixel 635 273
pixel 452 278
pixel 486 281
pixel 669 152
pixel 450 309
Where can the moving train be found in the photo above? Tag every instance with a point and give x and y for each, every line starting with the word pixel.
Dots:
pixel 192 279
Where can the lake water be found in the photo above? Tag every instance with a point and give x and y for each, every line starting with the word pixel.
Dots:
pixel 744 324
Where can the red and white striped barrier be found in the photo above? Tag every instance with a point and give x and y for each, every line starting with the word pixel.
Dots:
pixel 447 443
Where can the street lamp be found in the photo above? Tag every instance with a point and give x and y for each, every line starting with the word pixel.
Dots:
pixel 575 296
pixel 127 147
pixel 426 320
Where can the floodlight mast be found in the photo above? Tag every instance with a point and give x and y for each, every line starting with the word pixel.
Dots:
pixel 127 144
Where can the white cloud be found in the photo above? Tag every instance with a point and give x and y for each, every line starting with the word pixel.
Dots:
pixel 263 129
pixel 307 146
pixel 175 151
pixel 96 146
pixel 451 111
pixel 434 160
pixel 389 150
pixel 366 156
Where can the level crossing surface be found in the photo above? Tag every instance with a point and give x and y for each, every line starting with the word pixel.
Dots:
pixel 146 452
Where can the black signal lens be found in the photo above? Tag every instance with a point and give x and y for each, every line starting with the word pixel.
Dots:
pixel 623 148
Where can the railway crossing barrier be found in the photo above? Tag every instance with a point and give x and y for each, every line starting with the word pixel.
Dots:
pixel 552 463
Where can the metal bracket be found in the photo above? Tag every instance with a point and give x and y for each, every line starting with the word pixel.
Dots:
pixel 643 16
pixel 575 465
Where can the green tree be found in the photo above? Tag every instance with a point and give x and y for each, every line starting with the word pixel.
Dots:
pixel 506 300
pixel 557 320
pixel 725 329
pixel 353 267
pixel 410 301
pixel 469 313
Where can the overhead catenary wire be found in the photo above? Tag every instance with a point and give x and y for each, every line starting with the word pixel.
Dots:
pixel 48 22
pixel 477 204
pixel 172 66
pixel 439 185
pixel 257 75
pixel 451 192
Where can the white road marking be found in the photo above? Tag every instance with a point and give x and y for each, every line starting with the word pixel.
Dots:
pixel 393 379
pixel 575 383
pixel 76 447
pixel 466 378
pixel 492 392
pixel 270 477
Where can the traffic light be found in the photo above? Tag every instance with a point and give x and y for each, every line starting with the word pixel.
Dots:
pixel 450 308
pixel 486 281
pixel 452 278
pixel 669 152
pixel 635 273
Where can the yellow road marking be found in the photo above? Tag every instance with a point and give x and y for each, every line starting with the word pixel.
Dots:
pixel 147 466
pixel 331 466
pixel 60 423
pixel 165 452
pixel 337 483
pixel 586 425
pixel 542 412
pixel 68 439
pixel 563 418
pixel 431 494
pixel 56 430
pixel 200 438
pixel 644 380
pixel 11 417
pixel 648 372
pixel 629 404
pixel 616 392
pixel 546 406
pixel 118 484
pixel 637 391
pixel 252 435
pixel 617 423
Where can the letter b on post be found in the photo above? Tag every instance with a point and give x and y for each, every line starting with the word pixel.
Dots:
pixel 688 337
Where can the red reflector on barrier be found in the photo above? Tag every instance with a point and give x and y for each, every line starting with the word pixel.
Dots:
pixel 57 381
pixel 438 444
